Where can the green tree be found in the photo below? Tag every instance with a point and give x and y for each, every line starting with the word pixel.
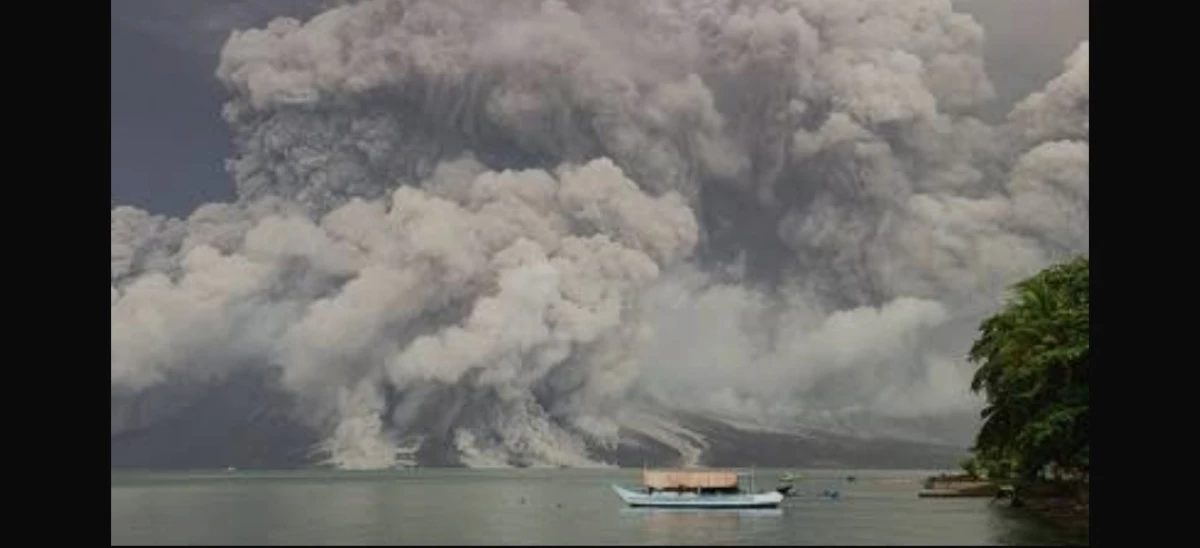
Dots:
pixel 1033 359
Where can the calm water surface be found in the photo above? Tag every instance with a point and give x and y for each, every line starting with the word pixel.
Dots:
pixel 549 507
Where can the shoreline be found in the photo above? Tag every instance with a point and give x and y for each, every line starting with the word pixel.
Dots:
pixel 1068 510
pixel 1065 504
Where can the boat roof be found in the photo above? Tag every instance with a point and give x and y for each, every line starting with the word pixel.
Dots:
pixel 690 478
pixel 691 470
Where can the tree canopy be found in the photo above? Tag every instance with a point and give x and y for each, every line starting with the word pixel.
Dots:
pixel 1033 359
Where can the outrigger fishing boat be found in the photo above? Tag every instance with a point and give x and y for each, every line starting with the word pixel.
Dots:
pixel 696 488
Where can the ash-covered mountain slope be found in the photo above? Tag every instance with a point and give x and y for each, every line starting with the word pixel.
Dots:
pixel 239 422
pixel 245 422
pixel 733 446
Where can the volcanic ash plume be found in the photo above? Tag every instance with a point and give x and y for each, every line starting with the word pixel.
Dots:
pixel 497 224
pixel 498 282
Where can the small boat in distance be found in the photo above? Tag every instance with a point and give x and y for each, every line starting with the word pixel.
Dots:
pixel 695 488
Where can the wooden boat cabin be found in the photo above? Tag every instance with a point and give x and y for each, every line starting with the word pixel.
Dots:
pixel 704 482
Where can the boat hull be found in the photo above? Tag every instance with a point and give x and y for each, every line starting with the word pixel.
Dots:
pixel 639 499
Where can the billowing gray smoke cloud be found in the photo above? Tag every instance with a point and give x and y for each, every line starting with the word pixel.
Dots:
pixel 502 222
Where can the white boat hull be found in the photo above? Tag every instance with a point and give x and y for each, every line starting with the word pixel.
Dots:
pixel 692 500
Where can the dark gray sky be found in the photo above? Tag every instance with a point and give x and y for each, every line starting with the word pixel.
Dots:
pixel 168 140
pixel 169 143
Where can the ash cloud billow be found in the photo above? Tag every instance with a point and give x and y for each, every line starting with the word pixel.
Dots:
pixel 515 226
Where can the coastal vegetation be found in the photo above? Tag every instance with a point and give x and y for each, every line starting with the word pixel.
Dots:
pixel 1033 369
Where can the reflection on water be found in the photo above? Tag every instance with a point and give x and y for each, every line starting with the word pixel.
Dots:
pixel 685 525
